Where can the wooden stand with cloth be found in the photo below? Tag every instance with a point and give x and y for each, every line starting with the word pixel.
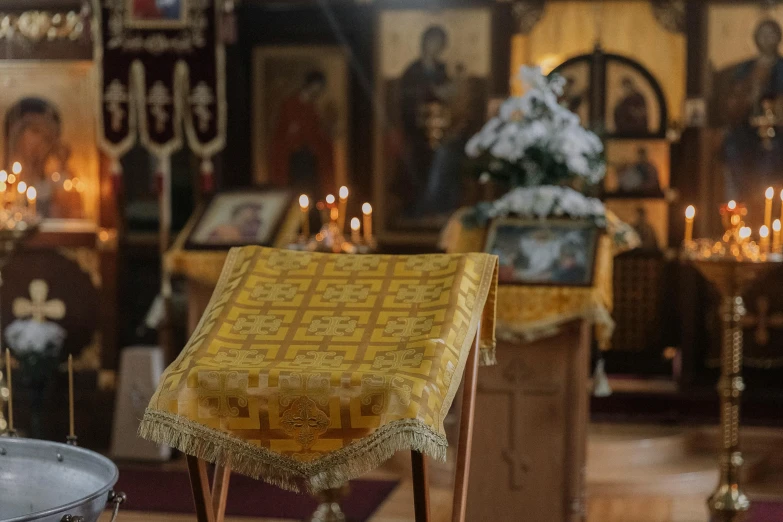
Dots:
pixel 533 406
pixel 308 370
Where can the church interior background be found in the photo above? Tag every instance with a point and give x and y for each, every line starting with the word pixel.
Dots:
pixel 141 140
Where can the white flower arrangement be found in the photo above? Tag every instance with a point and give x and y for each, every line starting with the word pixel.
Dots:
pixel 536 141
pixel 547 202
pixel 28 336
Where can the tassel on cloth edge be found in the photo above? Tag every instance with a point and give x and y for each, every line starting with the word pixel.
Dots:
pixel 601 387
pixel 331 471
pixel 207 176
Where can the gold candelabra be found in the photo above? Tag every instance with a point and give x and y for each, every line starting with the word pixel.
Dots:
pixel 331 237
pixel 732 264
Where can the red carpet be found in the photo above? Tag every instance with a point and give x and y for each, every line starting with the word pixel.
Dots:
pixel 169 492
pixel 765 512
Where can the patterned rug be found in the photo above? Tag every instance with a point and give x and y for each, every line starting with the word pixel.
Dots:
pixel 169 492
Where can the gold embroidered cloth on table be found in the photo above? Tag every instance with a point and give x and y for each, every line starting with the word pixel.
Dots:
pixel 310 369
pixel 528 313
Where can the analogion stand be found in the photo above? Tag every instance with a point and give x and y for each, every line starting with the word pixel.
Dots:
pixel 532 409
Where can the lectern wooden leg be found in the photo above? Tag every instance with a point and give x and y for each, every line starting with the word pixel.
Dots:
pixel 199 482
pixel 220 491
pixel 470 379
pixel 421 487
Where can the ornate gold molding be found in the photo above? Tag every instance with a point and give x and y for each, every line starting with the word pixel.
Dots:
pixel 88 260
pixel 670 14
pixel 37 26
pixel 527 13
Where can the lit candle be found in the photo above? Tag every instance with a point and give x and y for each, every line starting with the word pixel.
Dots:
pixel 768 207
pixel 343 193
pixel 31 196
pixel 304 205
pixel 781 205
pixel 367 213
pixel 355 226
pixel 21 187
pixel 10 390
pixel 744 233
pixel 16 168
pixel 72 431
pixel 690 213
pixel 776 235
pixel 332 208
pixel 764 235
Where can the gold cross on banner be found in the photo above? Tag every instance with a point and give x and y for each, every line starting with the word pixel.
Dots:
pixel 38 307
pixel 116 94
pixel 763 321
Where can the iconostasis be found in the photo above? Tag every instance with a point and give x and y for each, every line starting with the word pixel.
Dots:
pixel 324 94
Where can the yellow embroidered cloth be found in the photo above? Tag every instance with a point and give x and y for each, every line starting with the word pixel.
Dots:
pixel 311 369
pixel 528 312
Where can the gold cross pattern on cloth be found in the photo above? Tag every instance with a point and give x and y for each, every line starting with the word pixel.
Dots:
pixel 310 369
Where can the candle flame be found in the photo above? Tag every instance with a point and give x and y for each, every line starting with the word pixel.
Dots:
pixel 32 193
pixel 304 202
pixel 16 168
pixel 769 193
pixel 776 225
pixel 330 199
pixel 3 176
pixel 355 224
pixel 690 212
pixel 12 178
pixel 343 192
pixel 367 209
pixel 744 233
pixel 22 187
pixel 732 205
pixel 764 231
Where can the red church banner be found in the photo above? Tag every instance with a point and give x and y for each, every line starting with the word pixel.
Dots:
pixel 161 76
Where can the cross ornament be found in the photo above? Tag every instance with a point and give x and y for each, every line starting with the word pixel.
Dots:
pixel 763 321
pixel 38 307
pixel 520 382
pixel 218 391
pixel 158 99
pixel 201 98
pixel 116 94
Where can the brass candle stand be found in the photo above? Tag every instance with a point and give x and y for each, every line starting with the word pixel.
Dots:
pixel 331 237
pixel 731 265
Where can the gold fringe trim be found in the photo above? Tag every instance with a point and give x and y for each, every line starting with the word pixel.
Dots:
pixel 330 471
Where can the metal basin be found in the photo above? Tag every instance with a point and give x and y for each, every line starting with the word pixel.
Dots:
pixel 44 481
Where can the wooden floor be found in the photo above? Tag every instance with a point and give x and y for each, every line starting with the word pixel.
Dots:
pixel 399 508
pixel 610 498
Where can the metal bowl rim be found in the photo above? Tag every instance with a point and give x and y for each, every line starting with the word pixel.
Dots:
pixel 76 503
